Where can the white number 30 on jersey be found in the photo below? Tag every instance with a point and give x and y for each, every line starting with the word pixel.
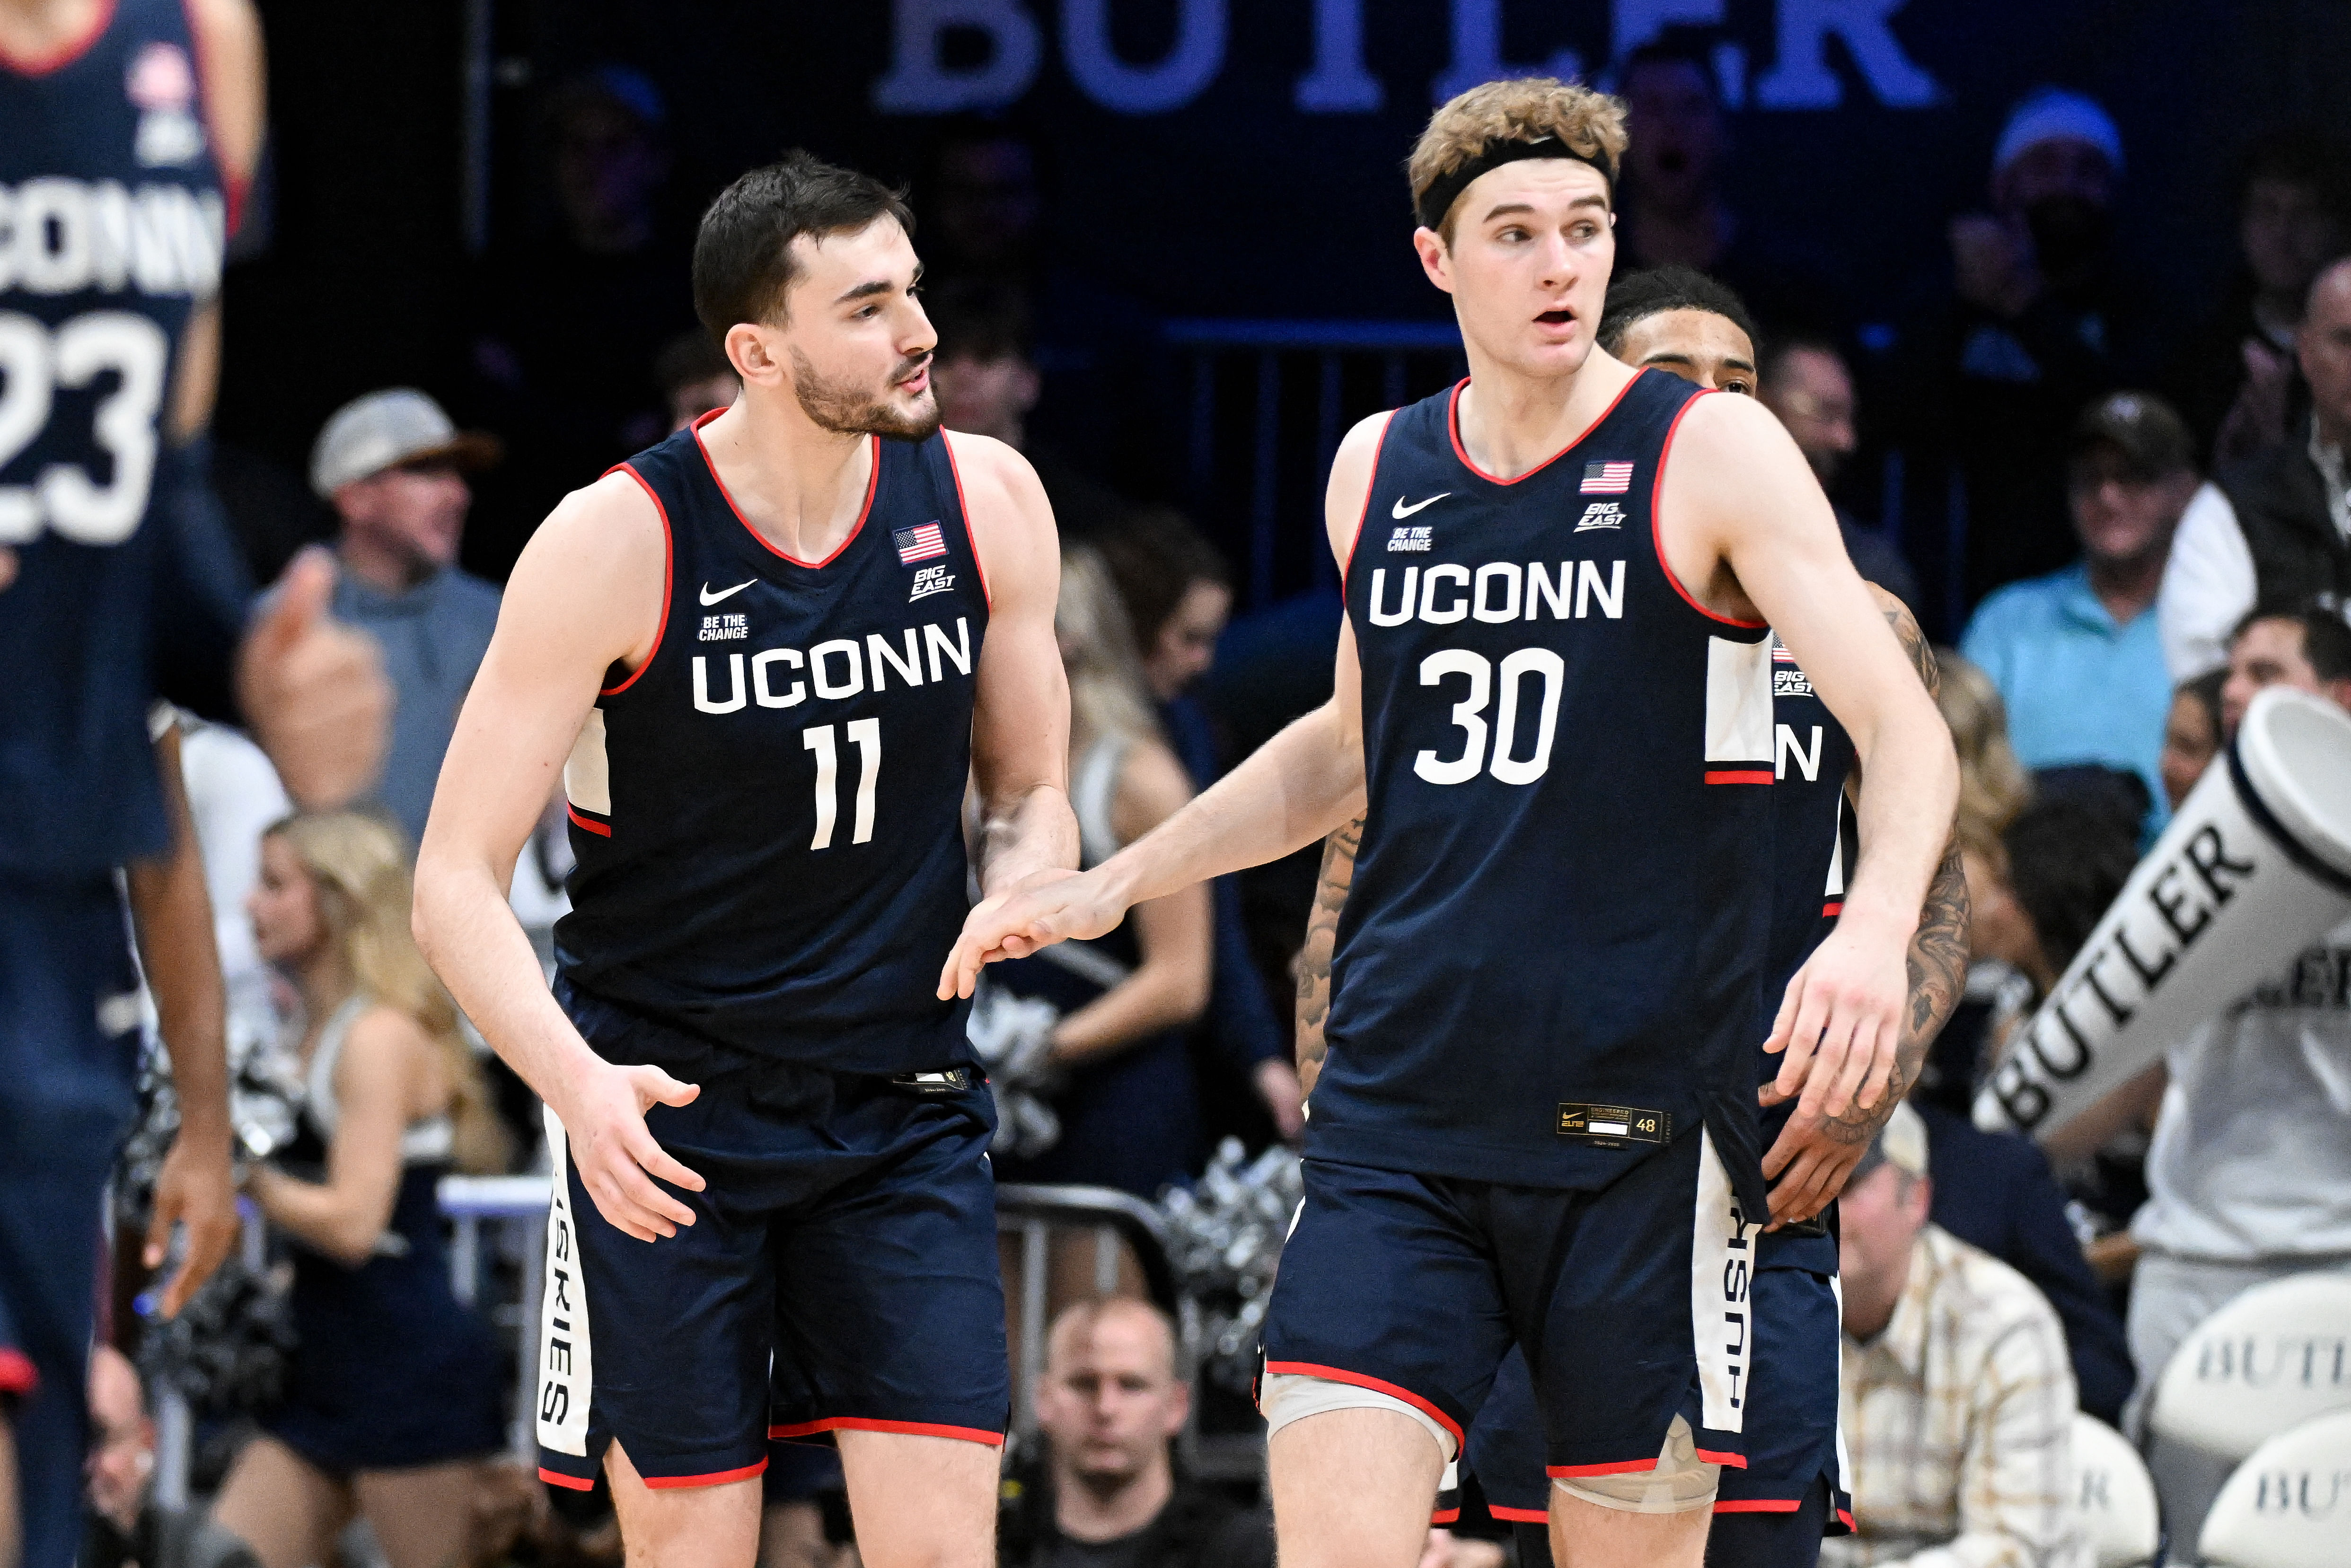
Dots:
pixel 35 362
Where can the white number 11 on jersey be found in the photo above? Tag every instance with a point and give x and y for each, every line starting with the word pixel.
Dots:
pixel 867 733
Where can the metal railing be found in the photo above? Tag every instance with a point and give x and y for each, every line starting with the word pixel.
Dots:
pixel 1303 383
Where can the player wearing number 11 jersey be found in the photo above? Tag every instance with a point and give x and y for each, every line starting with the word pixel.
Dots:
pixel 765 656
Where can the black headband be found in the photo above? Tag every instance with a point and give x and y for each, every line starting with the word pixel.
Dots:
pixel 1442 192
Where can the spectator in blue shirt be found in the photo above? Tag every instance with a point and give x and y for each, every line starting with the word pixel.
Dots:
pixel 392 466
pixel 2076 654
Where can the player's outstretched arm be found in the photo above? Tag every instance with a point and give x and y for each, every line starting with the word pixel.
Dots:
pixel 1291 791
pixel 1813 1158
pixel 1021 713
pixel 1747 528
pixel 585 596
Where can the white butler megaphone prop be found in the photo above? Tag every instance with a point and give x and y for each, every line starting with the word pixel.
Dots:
pixel 2256 864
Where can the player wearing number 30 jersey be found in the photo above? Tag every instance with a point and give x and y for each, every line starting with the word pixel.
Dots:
pixel 766 655
pixel 1536 1125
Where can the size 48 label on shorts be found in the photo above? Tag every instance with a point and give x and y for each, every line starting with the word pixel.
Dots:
pixel 1615 1126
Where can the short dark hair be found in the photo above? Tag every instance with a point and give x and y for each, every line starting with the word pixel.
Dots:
pixel 1638 296
pixel 743 254
pixel 2325 635
pixel 981 320
pixel 2204 691
pixel 1155 556
pixel 2068 858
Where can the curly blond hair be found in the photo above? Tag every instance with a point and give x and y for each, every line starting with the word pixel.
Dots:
pixel 1993 785
pixel 1522 108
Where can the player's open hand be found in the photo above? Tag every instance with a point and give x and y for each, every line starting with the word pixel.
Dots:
pixel 1041 908
pixel 194 1188
pixel 314 690
pixel 618 1158
pixel 1841 1021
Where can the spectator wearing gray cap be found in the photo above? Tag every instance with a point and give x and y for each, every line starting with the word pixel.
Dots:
pixel 2076 654
pixel 2033 329
pixel 392 466
pixel 2275 528
pixel 1958 1401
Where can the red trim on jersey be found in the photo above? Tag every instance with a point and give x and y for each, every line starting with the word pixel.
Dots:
pixel 715 1478
pixel 65 53
pixel 1371 483
pixel 1446 1516
pixel 1453 429
pixel 1844 1516
pixel 556 1478
pixel 873 483
pixel 1758 1505
pixel 1706 1456
pixel 1518 1515
pixel 17 1373
pixel 1740 775
pixel 233 186
pixel 965 507
pixel 1832 909
pixel 601 829
pixel 1658 526
pixel 908 1428
pixel 1340 1375
pixel 669 566
pixel 1732 1462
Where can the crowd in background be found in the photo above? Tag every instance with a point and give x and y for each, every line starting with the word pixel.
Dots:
pixel 2160 525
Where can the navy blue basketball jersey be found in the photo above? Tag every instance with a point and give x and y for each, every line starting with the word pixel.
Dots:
pixel 112 224
pixel 767 812
pixel 1551 961
pixel 1816 842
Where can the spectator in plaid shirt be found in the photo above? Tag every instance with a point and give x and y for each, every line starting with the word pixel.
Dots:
pixel 1958 1397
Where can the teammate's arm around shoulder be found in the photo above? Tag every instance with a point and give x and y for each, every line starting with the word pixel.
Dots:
pixel 1021 713
pixel 1739 502
pixel 586 594
pixel 1291 791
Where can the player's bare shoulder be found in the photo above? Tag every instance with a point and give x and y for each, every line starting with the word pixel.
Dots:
pixel 1349 492
pixel 599 567
pixel 1011 521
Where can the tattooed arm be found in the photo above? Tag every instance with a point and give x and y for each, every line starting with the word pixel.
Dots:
pixel 1809 1164
pixel 1331 886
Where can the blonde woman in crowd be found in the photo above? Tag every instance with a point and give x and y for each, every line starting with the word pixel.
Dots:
pixel 393 1392
pixel 1125 1100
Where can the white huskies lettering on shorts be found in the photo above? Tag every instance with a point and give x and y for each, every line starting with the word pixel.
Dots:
pixel 567 1371
pixel 1722 1253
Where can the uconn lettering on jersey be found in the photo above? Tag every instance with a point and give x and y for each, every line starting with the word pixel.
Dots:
pixel 833 669
pixel 62 236
pixel 1443 593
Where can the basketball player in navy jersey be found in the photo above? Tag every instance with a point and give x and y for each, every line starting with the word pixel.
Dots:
pixel 1553 705
pixel 1772 1512
pixel 131 128
pixel 764 657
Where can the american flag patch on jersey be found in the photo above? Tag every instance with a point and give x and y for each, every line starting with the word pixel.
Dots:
pixel 922 543
pixel 1607 478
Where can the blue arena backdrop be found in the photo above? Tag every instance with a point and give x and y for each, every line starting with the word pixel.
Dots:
pixel 1862 125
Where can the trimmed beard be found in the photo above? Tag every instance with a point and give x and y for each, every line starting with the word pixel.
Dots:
pixel 846 410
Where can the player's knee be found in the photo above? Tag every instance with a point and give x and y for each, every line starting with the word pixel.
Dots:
pixel 1680 1482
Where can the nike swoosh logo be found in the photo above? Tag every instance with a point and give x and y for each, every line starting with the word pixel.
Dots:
pixel 710 599
pixel 1402 512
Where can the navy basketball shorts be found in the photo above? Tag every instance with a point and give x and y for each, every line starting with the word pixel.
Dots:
pixel 840 1272
pixel 1791 1426
pixel 68 1047
pixel 1630 1302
